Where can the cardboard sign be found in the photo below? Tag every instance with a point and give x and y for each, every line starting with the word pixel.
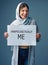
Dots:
pixel 21 35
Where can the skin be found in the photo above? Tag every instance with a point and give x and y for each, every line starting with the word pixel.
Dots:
pixel 23 14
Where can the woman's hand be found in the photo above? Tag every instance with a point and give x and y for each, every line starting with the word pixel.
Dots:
pixel 38 35
pixel 5 34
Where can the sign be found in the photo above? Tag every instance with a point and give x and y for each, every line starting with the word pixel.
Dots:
pixel 21 35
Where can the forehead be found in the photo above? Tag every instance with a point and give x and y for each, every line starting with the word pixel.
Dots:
pixel 24 8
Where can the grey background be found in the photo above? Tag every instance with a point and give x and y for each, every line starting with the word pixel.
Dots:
pixel 38 11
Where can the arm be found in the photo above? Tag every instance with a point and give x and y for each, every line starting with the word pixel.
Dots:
pixel 38 35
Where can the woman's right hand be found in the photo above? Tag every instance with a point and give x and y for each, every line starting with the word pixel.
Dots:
pixel 5 34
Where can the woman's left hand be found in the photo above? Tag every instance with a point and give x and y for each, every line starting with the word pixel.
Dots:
pixel 38 35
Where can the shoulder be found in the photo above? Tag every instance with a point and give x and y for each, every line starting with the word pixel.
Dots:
pixel 33 22
pixel 15 22
pixel 30 18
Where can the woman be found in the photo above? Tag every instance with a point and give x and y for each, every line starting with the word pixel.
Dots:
pixel 23 54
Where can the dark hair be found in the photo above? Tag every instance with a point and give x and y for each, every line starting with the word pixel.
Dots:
pixel 23 5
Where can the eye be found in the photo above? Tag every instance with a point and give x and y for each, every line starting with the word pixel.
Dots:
pixel 22 10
